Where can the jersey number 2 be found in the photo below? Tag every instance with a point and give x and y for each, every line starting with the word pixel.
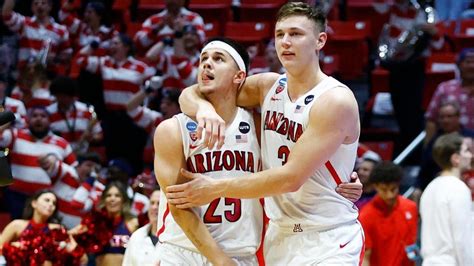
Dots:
pixel 283 153
pixel 232 216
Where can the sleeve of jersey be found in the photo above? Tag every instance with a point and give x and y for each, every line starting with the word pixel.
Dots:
pixel 81 198
pixel 66 175
pixel 186 70
pixel 70 21
pixel 15 22
pixel 65 44
pixel 70 157
pixel 89 63
pixel 198 22
pixel 145 37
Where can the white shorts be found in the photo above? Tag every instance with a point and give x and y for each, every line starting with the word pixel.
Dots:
pixel 343 245
pixel 173 255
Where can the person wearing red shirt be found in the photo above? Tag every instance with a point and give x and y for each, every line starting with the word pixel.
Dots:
pixel 389 220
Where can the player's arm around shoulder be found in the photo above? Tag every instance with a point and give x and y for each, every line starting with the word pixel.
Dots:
pixel 253 91
pixel 169 159
pixel 333 120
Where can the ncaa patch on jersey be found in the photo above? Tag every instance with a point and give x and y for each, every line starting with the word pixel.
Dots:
pixel 282 81
pixel 308 99
pixel 244 127
pixel 191 126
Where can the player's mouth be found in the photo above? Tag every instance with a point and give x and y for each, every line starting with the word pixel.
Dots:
pixel 287 54
pixel 207 76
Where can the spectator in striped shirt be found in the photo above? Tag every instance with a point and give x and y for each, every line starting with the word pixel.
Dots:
pixel 178 67
pixel 70 185
pixel 26 147
pixel 88 31
pixel 122 76
pixel 71 119
pixel 41 38
pixel 166 23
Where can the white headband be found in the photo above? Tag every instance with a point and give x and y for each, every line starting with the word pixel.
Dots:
pixel 229 49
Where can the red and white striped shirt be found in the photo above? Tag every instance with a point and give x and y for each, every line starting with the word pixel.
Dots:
pixel 39 97
pixel 18 108
pixel 146 118
pixel 65 187
pixel 34 36
pixel 179 72
pixel 120 80
pixel 82 35
pixel 72 124
pixel 145 37
pixel 25 150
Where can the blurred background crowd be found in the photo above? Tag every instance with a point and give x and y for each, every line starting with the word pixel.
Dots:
pixel 89 80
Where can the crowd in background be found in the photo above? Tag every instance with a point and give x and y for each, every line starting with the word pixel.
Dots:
pixel 87 97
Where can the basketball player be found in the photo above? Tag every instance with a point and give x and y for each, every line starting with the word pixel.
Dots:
pixel 313 116
pixel 227 226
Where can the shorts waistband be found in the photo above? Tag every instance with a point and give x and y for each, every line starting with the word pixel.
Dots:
pixel 296 228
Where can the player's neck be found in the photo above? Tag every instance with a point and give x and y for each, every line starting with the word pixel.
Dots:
pixel 227 111
pixel 451 172
pixel 301 82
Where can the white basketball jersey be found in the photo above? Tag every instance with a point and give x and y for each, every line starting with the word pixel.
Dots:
pixel 235 224
pixel 316 204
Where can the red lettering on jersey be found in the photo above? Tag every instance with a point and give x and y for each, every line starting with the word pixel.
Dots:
pixel 280 124
pixel 213 161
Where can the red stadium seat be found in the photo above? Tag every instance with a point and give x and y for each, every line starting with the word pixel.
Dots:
pixel 132 28
pixel 121 4
pixel 147 8
pixel 364 10
pixel 213 29
pixel 349 40
pixel 216 12
pixel 439 68
pixel 259 10
pixel 248 33
pixel 464 37
pixel 382 148
pixel 379 81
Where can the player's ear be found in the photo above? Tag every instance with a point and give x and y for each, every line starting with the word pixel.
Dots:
pixel 239 77
pixel 321 41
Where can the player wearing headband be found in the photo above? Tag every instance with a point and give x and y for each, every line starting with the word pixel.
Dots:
pixel 225 227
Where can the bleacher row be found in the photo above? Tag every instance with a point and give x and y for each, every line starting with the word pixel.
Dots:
pixel 353 36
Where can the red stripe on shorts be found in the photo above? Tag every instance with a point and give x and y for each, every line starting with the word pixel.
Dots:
pixel 162 229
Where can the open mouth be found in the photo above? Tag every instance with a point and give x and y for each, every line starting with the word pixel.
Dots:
pixel 207 76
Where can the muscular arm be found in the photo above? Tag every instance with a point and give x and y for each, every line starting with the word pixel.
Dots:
pixel 334 120
pixel 194 104
pixel 169 159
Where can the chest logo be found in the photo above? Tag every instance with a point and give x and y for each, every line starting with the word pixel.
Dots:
pixel 308 99
pixel 244 127
pixel 191 126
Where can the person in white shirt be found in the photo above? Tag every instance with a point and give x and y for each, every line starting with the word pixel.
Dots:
pixel 446 230
pixel 141 248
